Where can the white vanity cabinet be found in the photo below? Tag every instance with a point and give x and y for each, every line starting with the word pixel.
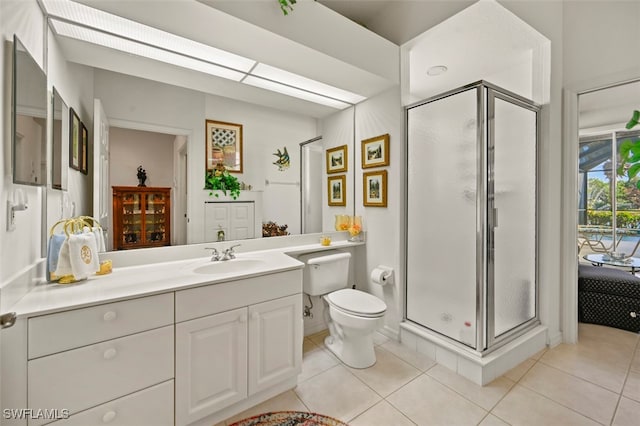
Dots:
pixel 244 342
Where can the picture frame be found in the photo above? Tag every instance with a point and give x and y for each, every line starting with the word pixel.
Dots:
pixel 336 190
pixel 223 143
pixel 375 151
pixel 374 188
pixel 337 159
pixel 75 143
pixel 84 149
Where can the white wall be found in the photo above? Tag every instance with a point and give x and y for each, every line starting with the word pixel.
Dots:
pixel 129 149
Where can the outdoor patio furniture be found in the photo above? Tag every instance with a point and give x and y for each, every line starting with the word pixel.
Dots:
pixel 608 296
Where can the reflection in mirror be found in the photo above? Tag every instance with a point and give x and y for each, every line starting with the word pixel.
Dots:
pixel 60 133
pixel 311 161
pixel 29 118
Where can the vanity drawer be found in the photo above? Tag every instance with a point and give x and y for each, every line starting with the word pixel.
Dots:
pixel 61 331
pixel 86 377
pixel 212 299
pixel 152 406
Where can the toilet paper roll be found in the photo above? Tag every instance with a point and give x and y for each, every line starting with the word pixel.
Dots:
pixel 379 276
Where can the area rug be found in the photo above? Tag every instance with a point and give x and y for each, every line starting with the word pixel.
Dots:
pixel 289 418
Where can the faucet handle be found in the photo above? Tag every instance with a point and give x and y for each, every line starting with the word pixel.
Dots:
pixel 215 255
pixel 229 253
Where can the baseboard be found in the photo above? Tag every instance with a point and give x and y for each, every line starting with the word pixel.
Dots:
pixel 554 339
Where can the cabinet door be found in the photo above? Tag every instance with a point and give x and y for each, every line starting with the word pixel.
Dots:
pixel 211 364
pixel 156 214
pixel 130 229
pixel 275 342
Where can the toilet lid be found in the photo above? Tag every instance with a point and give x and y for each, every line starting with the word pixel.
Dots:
pixel 357 302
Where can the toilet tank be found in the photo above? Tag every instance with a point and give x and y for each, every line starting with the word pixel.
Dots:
pixel 325 272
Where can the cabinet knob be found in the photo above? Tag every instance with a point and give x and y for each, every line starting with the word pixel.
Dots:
pixel 108 416
pixel 109 316
pixel 110 353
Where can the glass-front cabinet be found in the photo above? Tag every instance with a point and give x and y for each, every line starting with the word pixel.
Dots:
pixel 141 217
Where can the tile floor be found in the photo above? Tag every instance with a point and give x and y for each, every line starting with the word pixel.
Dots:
pixel 594 382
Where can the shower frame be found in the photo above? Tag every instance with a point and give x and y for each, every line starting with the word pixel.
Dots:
pixel 486 341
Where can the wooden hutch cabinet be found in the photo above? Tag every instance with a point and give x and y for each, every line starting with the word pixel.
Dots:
pixel 141 217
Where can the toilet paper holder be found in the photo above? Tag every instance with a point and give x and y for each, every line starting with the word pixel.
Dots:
pixel 382 275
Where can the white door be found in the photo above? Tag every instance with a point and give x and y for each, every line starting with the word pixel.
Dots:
pixel 101 189
pixel 242 225
pixel 211 364
pixel 275 342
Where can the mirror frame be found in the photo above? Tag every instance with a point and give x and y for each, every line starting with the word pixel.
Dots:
pixel 14 114
pixel 62 153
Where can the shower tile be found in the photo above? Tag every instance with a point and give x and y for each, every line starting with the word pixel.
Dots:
pixel 485 396
pixel 447 358
pixel 418 360
pixel 627 414
pixel 586 398
pixel 632 386
pixel 315 362
pixel 522 406
pixel 287 401
pixel 388 374
pixel 472 371
pixel 426 401
pixel 337 393
pixel 381 414
pixel 408 339
pixel 426 348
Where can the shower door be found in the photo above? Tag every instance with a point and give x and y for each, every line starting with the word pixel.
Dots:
pixel 471 214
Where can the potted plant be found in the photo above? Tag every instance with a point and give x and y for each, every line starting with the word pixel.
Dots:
pixel 219 179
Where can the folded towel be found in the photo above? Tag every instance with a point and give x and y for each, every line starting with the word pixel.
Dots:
pixel 99 238
pixel 64 260
pixel 83 255
pixel 53 252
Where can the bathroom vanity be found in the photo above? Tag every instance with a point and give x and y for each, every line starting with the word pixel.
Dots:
pixel 184 342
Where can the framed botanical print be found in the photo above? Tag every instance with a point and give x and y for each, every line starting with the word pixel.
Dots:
pixel 75 142
pixel 223 145
pixel 84 149
pixel 375 151
pixel 336 185
pixel 375 188
pixel 337 159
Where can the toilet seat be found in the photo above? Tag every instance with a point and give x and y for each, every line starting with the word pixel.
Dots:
pixel 356 302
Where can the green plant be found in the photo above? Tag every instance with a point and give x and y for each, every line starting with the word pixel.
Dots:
pixel 630 152
pixel 220 179
pixel 286 6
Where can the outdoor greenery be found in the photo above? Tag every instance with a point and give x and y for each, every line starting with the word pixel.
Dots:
pixel 220 179
pixel 630 152
pixel 624 219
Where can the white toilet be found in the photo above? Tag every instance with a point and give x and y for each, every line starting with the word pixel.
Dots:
pixel 352 315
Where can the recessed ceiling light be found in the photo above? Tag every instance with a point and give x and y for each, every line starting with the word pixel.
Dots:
pixel 437 70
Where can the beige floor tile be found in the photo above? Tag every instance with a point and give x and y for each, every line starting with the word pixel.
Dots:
pixel 315 362
pixel 485 396
pixel 628 413
pixel 427 402
pixel 492 420
pixel 539 354
pixel 381 414
pixel 517 372
pixel 388 374
pixel 603 334
pixel 287 401
pixel 635 364
pixel 318 338
pixel 632 387
pixel 379 338
pixel 337 393
pixel 573 360
pixel 579 395
pixel 308 345
pixel 522 406
pixel 418 360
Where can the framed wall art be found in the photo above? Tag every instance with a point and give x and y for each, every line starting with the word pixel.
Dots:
pixel 375 151
pixel 223 145
pixel 337 159
pixel 375 188
pixel 75 143
pixel 336 185
pixel 84 149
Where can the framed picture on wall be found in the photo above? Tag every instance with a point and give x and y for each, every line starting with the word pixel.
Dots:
pixel 84 149
pixel 337 159
pixel 375 151
pixel 75 144
pixel 375 188
pixel 223 145
pixel 336 186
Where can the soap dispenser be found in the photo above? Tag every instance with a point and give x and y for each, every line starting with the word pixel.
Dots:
pixel 220 233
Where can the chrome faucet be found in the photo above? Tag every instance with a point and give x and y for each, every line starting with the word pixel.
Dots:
pixel 228 253
pixel 215 254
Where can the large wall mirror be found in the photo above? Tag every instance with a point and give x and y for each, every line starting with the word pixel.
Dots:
pixel 60 134
pixel 29 118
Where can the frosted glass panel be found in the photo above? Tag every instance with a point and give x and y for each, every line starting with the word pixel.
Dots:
pixel 515 195
pixel 442 211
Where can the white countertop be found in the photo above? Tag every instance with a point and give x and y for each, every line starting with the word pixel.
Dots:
pixel 136 281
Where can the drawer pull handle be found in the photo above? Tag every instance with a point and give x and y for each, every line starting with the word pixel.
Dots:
pixel 109 316
pixel 110 353
pixel 109 416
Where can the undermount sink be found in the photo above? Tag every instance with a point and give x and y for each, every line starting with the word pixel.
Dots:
pixel 229 266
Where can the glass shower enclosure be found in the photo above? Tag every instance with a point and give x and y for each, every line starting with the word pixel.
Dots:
pixel 471 201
